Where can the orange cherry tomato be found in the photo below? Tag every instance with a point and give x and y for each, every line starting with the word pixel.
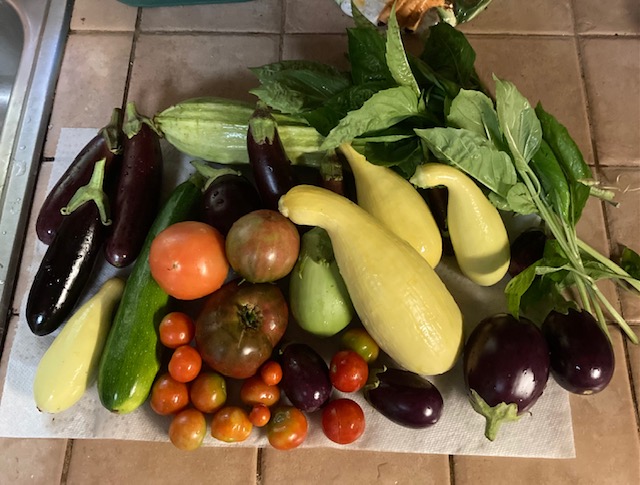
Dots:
pixel 255 391
pixel 208 392
pixel 176 329
pixel 188 260
pixel 271 373
pixel 287 428
pixel 185 364
pixel 168 396
pixel 188 429
pixel 259 415
pixel 231 424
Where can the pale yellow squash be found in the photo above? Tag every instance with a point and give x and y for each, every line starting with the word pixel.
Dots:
pixel 69 365
pixel 477 232
pixel 400 299
pixel 396 204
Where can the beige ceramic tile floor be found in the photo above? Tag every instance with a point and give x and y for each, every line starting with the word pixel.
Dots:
pixel 580 58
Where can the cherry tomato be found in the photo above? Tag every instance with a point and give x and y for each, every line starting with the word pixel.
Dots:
pixel 187 429
pixel 185 364
pixel 343 421
pixel 259 415
pixel 208 392
pixel 287 428
pixel 231 424
pixel 255 391
pixel 188 260
pixel 168 396
pixel 348 371
pixel 176 329
pixel 358 340
pixel 271 373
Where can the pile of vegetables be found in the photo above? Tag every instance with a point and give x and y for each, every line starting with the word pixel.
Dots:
pixel 330 216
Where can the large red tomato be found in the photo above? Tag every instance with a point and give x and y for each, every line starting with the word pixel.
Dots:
pixel 188 260
pixel 239 326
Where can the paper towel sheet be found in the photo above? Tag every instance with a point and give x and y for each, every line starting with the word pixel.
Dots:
pixel 546 432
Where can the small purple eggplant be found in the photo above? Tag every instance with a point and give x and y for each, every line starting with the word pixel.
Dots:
pixel 506 368
pixel 404 398
pixel 526 249
pixel 305 377
pixel 582 359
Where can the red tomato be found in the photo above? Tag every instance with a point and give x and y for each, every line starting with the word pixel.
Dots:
pixel 358 340
pixel 168 396
pixel 263 246
pixel 259 415
pixel 231 424
pixel 343 421
pixel 187 429
pixel 176 329
pixel 348 371
pixel 185 364
pixel 255 391
pixel 271 373
pixel 188 260
pixel 287 428
pixel 208 392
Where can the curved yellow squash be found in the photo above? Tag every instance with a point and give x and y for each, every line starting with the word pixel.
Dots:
pixel 400 299
pixel 396 204
pixel 477 232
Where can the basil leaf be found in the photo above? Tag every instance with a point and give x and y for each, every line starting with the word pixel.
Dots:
pixel 474 155
pixel 543 296
pixel 474 111
pixel 518 121
pixel 367 55
pixel 553 254
pixel 396 57
pixel 630 262
pixel 519 200
pixel 405 155
pixel 554 183
pixel 380 111
pixel 450 55
pixel 570 159
pixel 517 287
pixel 467 10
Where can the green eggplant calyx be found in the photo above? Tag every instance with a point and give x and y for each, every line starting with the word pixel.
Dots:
pixel 111 133
pixel 262 125
pixel 91 192
pixel 134 121
pixel 212 173
pixel 495 416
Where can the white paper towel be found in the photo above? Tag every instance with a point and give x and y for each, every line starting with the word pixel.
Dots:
pixel 545 433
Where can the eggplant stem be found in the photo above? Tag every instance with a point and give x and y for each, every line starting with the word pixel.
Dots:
pixel 495 416
pixel 91 192
pixel 212 173
pixel 133 122
pixel 111 132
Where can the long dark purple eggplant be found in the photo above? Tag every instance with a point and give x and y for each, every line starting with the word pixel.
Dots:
pixel 70 258
pixel 107 145
pixel 506 367
pixel 272 170
pixel 137 198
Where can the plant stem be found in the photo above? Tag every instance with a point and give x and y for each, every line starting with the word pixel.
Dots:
pixel 608 263
pixel 617 317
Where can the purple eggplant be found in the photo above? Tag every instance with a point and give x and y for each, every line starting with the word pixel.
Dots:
pixel 305 377
pixel 105 145
pixel 506 368
pixel 272 170
pixel 70 258
pixel 437 199
pixel 582 358
pixel 404 397
pixel 137 196
pixel 526 249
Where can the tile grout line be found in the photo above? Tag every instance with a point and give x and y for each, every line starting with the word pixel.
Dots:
pixel 283 27
pixel 634 398
pixel 452 475
pixel 259 466
pixel 67 461
pixel 132 55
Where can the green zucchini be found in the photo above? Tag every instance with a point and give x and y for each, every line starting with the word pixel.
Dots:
pixel 215 129
pixel 131 357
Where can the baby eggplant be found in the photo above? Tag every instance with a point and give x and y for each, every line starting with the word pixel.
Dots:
pixel 582 359
pixel 404 397
pixel 526 249
pixel 506 368
pixel 305 377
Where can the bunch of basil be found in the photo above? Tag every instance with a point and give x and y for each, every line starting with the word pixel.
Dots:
pixel 401 110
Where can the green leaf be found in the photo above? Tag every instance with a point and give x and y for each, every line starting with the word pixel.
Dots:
pixel 630 262
pixel 474 111
pixel 359 19
pixel 570 159
pixel 382 110
pixel 517 287
pixel 450 55
pixel 367 55
pixel 518 121
pixel 404 154
pixel 519 200
pixel 396 57
pixel 472 154
pixel 467 10
pixel 554 183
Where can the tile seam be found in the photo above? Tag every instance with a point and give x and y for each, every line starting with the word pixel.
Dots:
pixel 634 397
pixel 64 476
pixel 259 462
pixel 132 55
pixel 452 475
pixel 283 28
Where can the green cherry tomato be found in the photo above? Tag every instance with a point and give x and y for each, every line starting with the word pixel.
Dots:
pixel 358 340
